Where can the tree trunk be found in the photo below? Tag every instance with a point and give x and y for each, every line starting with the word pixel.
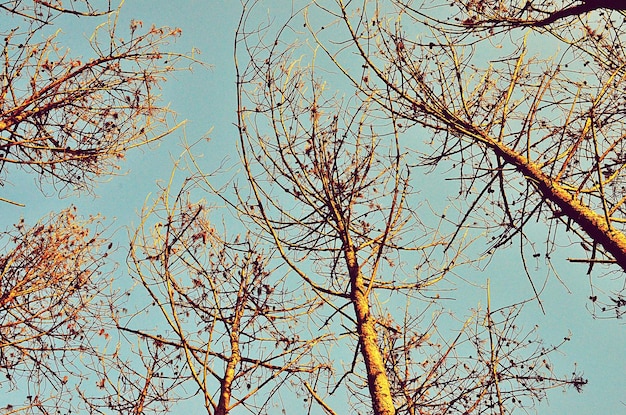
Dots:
pixel 377 380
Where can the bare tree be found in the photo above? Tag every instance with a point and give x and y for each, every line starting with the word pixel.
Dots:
pixel 71 118
pixel 230 321
pixel 331 187
pixel 532 137
pixel 53 304
pixel 68 119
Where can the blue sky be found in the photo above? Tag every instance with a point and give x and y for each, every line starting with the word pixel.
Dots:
pixel 206 99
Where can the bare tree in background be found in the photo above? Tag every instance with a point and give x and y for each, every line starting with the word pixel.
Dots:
pixel 331 187
pixel 53 298
pixel 69 119
pixel 232 325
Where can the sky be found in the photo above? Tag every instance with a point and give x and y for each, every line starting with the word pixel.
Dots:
pixel 206 99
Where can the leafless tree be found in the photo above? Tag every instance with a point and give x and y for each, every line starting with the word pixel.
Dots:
pixel 231 324
pixel 53 305
pixel 531 136
pixel 69 118
pixel 332 187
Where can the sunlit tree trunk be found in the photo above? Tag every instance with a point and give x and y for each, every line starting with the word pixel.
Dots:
pixel 377 381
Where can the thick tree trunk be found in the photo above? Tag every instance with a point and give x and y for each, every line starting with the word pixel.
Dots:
pixel 377 380
pixel 592 223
